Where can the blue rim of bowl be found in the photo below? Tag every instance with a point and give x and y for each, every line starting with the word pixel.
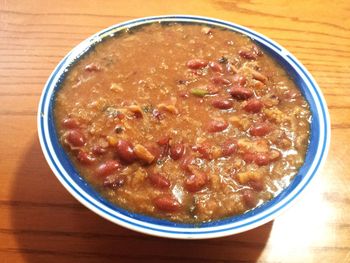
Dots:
pixel 316 154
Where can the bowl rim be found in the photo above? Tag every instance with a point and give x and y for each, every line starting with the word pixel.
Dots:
pixel 174 231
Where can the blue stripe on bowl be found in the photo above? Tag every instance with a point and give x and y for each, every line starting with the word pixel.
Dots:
pixel 158 223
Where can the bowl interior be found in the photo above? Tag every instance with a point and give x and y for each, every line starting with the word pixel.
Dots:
pixel 66 172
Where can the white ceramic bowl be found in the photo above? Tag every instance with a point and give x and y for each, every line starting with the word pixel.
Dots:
pixel 71 180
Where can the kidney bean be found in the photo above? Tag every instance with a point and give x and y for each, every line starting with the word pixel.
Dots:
pixel 196 181
pixel 114 181
pixel 70 123
pixel 222 104
pixel 239 79
pixel 85 158
pixel 249 198
pixel 159 180
pixel 204 150
pixel 229 147
pixel 186 161
pixel 253 105
pixel 125 151
pixel 177 151
pixel 260 129
pixel 262 159
pixel 166 203
pixel 197 63
pixel 75 138
pixel 220 80
pixel 107 168
pixel 240 93
pixel 217 125
pixel 257 185
pixel 249 157
pixel 216 67
pixel 98 150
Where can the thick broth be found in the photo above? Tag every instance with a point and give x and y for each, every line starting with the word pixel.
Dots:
pixel 182 122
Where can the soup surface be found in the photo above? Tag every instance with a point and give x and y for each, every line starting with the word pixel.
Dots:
pixel 183 122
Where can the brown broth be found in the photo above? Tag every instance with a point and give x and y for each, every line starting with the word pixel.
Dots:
pixel 218 126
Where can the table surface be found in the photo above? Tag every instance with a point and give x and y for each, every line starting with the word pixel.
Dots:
pixel 41 222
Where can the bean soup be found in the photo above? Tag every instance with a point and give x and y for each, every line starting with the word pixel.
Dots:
pixel 183 122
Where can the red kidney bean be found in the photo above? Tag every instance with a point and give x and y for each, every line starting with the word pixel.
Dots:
pixel 229 147
pixel 217 125
pixel 241 80
pixel 186 161
pixel 125 151
pixel 75 138
pixel 196 182
pixel 262 159
pixel 257 185
pixel 98 150
pixel 260 129
pixel 249 157
pixel 254 105
pixel 222 104
pixel 107 168
pixel 197 63
pixel 216 67
pixel 249 198
pixel 159 180
pixel 240 93
pixel 220 80
pixel 177 151
pixel 70 123
pixel 204 149
pixel 92 67
pixel 166 203
pixel 85 158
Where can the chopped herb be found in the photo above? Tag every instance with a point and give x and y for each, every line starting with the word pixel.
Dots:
pixel 112 112
pixel 147 108
pixel 199 92
pixel 223 60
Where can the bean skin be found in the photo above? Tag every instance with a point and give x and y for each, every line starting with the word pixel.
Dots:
pixel 262 159
pixel 220 80
pixel 249 198
pixel 257 185
pixel 254 106
pixel 260 129
pixel 197 63
pixel 92 67
pixel 249 157
pixel 75 138
pixel 196 181
pixel 186 161
pixel 177 151
pixel 239 79
pixel 223 104
pixel 166 203
pixel 240 93
pixel 159 180
pixel 215 66
pixel 107 168
pixel 217 126
pixel 229 147
pixel 125 151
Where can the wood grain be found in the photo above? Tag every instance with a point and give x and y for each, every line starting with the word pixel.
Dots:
pixel 41 222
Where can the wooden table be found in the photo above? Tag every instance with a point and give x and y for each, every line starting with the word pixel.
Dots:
pixel 41 222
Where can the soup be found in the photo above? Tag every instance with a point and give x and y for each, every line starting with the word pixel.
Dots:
pixel 183 122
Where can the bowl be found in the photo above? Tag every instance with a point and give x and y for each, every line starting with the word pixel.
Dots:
pixel 83 192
